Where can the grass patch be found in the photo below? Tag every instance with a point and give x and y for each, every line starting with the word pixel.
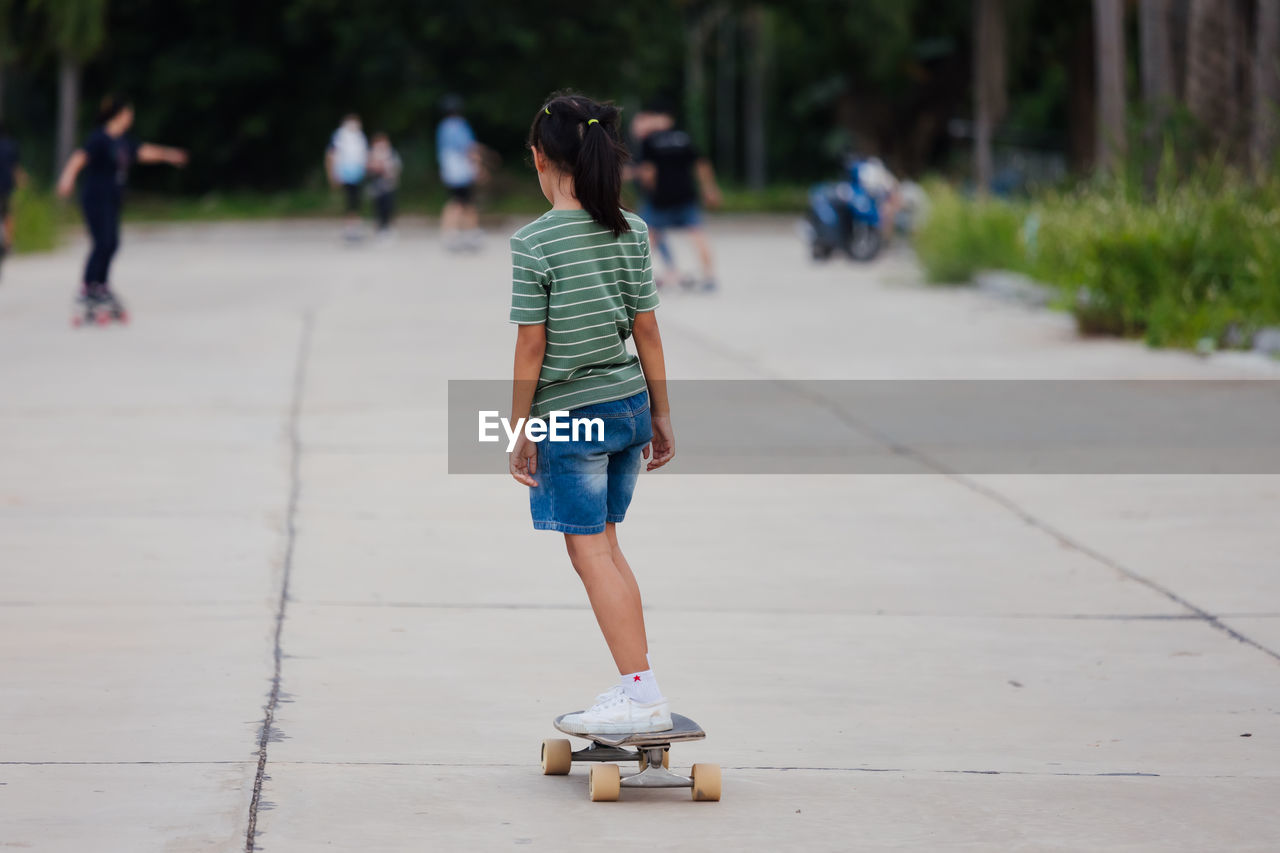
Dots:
pixel 36 221
pixel 509 194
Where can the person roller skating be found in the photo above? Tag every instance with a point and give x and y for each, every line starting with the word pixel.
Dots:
pixel 105 158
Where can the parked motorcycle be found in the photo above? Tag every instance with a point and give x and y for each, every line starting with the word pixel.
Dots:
pixel 843 217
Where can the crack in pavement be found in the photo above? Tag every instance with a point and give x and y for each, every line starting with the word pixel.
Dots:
pixel 291 538
pixel 780 611
pixel 163 763
pixel 808 768
pixel 894 446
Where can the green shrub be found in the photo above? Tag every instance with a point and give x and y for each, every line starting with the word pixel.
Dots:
pixel 960 236
pixel 35 221
pixel 1199 259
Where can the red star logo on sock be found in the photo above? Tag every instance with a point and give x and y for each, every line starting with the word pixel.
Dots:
pixel 637 678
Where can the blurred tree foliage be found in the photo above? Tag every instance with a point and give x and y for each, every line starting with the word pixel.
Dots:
pixel 254 90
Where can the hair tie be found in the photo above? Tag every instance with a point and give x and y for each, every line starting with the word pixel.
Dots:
pixel 547 109
pixel 594 121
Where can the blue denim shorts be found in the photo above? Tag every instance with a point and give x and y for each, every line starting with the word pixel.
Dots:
pixel 585 483
pixel 680 216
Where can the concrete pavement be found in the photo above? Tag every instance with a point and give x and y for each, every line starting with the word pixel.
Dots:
pixel 250 480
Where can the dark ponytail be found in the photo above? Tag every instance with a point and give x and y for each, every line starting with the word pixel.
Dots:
pixel 580 136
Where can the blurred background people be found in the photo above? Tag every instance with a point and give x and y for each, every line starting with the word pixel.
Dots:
pixel 644 123
pixel 346 160
pixel 384 173
pixel 460 161
pixel 675 177
pixel 874 177
pixel 105 159
pixel 10 174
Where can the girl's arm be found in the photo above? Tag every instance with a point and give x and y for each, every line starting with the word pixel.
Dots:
pixel 148 153
pixel 531 346
pixel 67 180
pixel 649 347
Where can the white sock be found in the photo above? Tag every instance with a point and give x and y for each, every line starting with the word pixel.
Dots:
pixel 642 687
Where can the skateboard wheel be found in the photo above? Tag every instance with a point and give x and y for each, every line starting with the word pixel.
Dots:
pixel 706 782
pixel 557 756
pixel 666 759
pixel 604 783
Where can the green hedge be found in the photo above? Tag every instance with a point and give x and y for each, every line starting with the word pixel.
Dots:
pixel 1193 261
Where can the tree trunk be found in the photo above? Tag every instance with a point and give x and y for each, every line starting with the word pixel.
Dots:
pixel 1108 33
pixel 1158 88
pixel 726 96
pixel 1082 113
pixel 989 98
pixel 754 102
pixel 1266 87
pixel 68 109
pixel 695 79
pixel 1212 93
pixel 1179 24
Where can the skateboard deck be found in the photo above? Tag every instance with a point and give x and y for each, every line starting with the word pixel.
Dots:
pixel 682 728
pixel 652 750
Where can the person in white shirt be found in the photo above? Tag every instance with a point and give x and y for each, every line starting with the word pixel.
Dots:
pixel 881 185
pixel 346 161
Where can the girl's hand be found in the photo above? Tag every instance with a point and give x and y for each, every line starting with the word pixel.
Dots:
pixel 66 188
pixel 178 157
pixel 663 445
pixel 523 461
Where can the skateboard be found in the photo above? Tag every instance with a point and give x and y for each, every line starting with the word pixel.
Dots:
pixel 652 750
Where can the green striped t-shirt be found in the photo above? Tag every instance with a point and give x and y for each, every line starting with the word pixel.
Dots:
pixel 586 285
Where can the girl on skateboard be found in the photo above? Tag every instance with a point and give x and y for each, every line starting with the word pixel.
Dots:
pixel 582 283
pixel 105 159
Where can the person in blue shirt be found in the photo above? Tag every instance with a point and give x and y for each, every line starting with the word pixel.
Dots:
pixel 460 157
pixel 105 159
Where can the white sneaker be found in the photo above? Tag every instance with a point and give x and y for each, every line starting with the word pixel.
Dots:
pixel 618 713
pixel 617 688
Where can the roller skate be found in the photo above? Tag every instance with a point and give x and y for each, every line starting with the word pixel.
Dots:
pixel 98 306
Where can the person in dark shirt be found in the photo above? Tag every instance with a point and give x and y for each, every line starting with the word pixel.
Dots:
pixel 675 177
pixel 10 176
pixel 105 159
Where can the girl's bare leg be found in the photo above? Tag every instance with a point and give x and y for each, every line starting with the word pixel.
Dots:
pixel 449 217
pixel 624 571
pixel 615 601
pixel 703 245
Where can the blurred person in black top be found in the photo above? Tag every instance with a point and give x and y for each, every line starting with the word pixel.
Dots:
pixel 10 176
pixel 105 158
pixel 676 177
